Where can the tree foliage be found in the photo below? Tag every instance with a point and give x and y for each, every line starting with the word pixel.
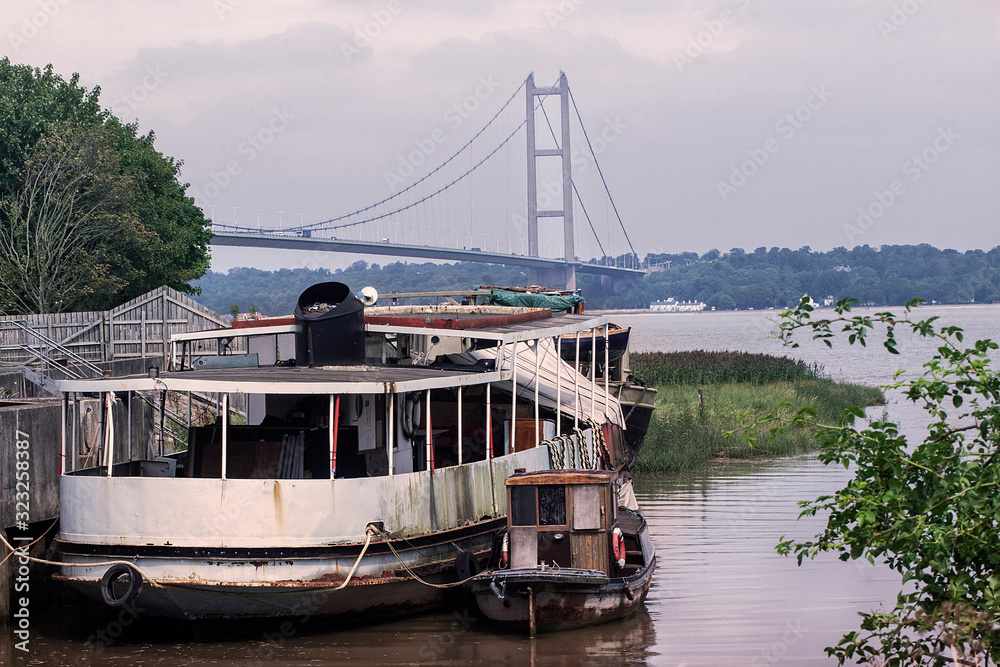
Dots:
pixel 57 246
pixel 91 214
pixel 778 277
pixel 928 509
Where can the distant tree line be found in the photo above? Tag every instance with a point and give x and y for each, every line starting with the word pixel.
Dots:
pixel 764 278
pixel 778 277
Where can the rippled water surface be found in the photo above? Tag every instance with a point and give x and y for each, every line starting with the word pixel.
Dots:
pixel 721 595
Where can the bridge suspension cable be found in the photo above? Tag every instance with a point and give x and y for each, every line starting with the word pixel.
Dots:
pixel 320 225
pixel 575 189
pixel 599 171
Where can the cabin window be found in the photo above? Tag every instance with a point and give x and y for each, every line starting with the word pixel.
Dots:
pixel 552 505
pixel 522 506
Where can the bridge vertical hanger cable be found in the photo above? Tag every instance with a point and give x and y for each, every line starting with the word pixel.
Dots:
pixel 575 190
pixel 599 171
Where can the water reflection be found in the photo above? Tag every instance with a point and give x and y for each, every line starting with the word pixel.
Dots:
pixel 78 632
pixel 721 594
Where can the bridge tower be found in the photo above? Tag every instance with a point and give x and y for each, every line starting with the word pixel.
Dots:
pixel 562 277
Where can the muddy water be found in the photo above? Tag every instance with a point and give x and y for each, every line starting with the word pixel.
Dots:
pixel 721 595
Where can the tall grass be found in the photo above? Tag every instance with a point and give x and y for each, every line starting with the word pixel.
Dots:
pixel 687 432
pixel 701 367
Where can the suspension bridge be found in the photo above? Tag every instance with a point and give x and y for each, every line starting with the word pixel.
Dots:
pixel 498 200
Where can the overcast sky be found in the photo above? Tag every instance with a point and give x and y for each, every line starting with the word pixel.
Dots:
pixel 734 123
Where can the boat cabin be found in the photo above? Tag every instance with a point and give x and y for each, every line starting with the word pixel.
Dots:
pixel 569 519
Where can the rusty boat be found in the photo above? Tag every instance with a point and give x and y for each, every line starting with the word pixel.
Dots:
pixel 570 556
pixel 349 462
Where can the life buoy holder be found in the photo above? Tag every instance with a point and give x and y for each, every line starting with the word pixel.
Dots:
pixel 113 574
pixel 505 551
pixel 410 415
pixel 618 546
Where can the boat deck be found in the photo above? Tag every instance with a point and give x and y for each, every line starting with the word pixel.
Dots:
pixel 292 380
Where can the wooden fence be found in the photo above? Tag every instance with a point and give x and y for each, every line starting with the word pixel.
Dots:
pixel 140 328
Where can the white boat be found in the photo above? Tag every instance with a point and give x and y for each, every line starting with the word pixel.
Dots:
pixel 363 481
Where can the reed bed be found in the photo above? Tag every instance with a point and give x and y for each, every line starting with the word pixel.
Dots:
pixel 686 429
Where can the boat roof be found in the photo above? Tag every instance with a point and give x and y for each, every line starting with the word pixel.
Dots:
pixel 290 380
pixel 545 477
pixel 445 321
pixel 502 333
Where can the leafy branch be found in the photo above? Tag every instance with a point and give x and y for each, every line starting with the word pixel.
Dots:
pixel 930 509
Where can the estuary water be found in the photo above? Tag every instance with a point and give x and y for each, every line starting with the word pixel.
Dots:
pixel 720 596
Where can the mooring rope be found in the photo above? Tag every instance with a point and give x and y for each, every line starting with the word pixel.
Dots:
pixel 415 575
pixel 369 533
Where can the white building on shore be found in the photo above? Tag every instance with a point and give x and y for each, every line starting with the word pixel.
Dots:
pixel 672 305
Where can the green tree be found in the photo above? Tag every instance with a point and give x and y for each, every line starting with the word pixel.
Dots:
pixel 166 239
pixel 930 509
pixel 61 230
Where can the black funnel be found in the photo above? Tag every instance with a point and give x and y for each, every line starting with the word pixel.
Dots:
pixel 330 326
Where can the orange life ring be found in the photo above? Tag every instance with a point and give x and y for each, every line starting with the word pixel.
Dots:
pixel 618 546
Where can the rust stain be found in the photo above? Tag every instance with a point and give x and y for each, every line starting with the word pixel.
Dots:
pixel 278 512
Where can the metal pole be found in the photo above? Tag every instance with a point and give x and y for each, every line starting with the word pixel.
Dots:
pixel 62 433
pixel 225 432
pixel 559 363
pixel 576 385
pixel 129 395
pixel 392 433
pixel 334 431
pixel 109 437
pixel 607 356
pixel 332 415
pixel 75 427
pixel 460 424
pixel 537 355
pixel 593 368
pixel 489 422
pixel 513 398
pixel 430 436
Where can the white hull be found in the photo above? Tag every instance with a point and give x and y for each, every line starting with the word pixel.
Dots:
pixel 233 548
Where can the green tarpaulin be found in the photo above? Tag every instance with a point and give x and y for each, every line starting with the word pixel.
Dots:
pixel 557 302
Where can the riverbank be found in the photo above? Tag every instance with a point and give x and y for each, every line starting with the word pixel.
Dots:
pixel 701 395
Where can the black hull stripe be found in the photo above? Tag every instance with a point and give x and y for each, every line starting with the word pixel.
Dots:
pixel 278 553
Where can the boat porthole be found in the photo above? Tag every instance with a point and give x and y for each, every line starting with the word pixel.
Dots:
pixel 114 573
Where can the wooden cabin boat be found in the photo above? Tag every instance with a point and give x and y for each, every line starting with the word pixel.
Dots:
pixel 237 484
pixel 570 556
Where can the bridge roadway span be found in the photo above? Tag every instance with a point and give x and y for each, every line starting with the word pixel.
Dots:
pixel 246 240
